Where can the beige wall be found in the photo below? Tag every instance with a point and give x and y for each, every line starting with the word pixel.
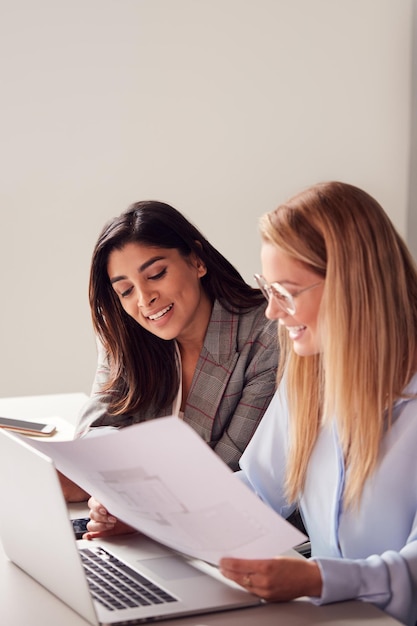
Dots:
pixel 220 107
pixel 411 229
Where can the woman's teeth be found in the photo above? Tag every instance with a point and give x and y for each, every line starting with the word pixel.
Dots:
pixel 294 331
pixel 161 313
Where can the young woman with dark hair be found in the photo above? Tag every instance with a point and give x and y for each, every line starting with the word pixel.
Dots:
pixel 179 332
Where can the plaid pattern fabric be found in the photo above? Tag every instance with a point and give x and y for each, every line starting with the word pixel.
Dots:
pixel 232 386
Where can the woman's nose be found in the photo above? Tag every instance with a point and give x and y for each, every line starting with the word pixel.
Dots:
pixel 146 298
pixel 274 311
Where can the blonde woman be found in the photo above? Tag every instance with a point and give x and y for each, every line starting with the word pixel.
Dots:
pixel 339 439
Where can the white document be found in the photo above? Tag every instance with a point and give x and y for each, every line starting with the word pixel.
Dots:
pixel 162 479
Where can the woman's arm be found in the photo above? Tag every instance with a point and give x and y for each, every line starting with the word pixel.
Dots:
pixel 276 580
pixel 388 580
pixel 95 410
pixel 256 395
pixel 71 491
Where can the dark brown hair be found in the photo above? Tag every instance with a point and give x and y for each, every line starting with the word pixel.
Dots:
pixel 143 368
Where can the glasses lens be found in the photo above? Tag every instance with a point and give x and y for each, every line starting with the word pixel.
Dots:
pixel 283 298
pixel 262 284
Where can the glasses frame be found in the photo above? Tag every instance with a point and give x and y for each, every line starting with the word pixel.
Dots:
pixel 282 296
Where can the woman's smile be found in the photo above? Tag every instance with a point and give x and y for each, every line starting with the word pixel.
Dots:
pixel 295 332
pixel 303 325
pixel 160 314
pixel 161 290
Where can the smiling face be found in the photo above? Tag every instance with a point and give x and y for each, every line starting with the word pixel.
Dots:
pixel 161 290
pixel 302 326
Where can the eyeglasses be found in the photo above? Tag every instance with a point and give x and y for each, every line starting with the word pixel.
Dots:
pixel 283 297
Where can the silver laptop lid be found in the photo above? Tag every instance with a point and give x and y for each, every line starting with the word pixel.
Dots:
pixel 35 529
pixel 38 537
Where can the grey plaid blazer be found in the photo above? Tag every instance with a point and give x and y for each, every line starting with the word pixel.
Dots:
pixel 232 386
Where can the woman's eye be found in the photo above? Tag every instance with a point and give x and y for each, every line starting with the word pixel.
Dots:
pixel 126 292
pixel 278 294
pixel 159 275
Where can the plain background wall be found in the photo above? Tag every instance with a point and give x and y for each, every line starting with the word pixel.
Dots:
pixel 222 108
pixel 411 235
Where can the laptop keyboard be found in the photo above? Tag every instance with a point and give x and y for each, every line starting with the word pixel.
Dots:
pixel 117 586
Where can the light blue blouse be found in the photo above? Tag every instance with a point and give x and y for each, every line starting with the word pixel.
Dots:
pixel 368 554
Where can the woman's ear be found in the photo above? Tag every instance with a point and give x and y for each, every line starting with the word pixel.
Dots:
pixel 200 266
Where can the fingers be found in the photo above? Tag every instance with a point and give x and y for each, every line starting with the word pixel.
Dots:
pixel 237 567
pixel 96 530
pixel 89 536
pixel 256 576
pixel 97 526
pixel 280 579
pixel 247 581
pixel 99 515
pixel 242 571
pixel 101 523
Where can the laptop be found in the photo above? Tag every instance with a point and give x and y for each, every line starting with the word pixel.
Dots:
pixel 153 582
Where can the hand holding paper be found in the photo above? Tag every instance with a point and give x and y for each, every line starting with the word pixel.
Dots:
pixel 162 479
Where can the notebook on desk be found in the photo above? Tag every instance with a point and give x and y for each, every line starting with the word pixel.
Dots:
pixel 37 535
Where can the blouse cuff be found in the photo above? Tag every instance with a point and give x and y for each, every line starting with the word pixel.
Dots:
pixel 346 579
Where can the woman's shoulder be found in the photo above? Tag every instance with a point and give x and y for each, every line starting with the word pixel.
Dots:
pixel 248 324
pixel 256 320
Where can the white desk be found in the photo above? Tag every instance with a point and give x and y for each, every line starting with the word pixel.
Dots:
pixel 60 409
pixel 23 602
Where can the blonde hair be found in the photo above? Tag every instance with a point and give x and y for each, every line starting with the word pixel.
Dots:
pixel 368 315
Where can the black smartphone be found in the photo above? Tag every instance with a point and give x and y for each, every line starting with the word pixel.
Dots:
pixel 80 526
pixel 27 428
